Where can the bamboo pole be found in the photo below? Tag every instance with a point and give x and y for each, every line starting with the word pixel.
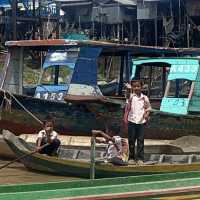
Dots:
pixel 92 158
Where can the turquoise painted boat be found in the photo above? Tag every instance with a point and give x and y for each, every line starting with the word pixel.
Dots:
pixel 179 112
pixel 177 186
pixel 80 165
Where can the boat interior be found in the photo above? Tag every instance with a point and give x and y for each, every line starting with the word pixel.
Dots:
pixel 169 154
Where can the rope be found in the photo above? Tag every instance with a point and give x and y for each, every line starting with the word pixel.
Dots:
pixel 7 106
pixel 30 113
pixel 1 108
pixel 23 156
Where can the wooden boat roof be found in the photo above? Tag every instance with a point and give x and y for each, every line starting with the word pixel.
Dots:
pixel 107 47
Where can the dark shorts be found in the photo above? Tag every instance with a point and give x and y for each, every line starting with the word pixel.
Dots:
pixel 51 149
pixel 117 161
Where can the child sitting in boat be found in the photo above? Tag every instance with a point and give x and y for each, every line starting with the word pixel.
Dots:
pixel 117 151
pixel 48 135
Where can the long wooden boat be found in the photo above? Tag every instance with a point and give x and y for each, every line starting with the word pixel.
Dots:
pixel 85 108
pixel 184 185
pixel 79 164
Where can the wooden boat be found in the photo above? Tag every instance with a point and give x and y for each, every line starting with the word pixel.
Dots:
pixel 78 163
pixel 160 186
pixel 85 107
pixel 70 118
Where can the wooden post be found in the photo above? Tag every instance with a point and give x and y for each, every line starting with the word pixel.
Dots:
pixel 163 80
pixel 128 66
pixel 156 26
pixel 150 80
pixel 14 19
pixel 188 33
pixel 139 32
pixel 179 15
pixel 34 24
pixel 177 88
pixel 105 67
pixel 40 19
pixel 121 76
pixel 167 89
pixel 92 158
pixel 156 31
pixel 131 32
pixel 21 69
pixel 58 6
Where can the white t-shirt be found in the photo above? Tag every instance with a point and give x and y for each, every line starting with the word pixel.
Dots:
pixel 114 149
pixel 42 134
pixel 138 107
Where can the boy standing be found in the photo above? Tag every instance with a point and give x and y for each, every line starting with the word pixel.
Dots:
pixel 139 109
pixel 48 135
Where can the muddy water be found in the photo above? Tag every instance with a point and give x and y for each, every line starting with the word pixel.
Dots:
pixel 17 173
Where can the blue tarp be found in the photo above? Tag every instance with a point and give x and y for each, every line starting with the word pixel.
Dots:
pixel 85 71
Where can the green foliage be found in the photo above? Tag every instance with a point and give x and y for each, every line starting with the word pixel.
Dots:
pixel 30 76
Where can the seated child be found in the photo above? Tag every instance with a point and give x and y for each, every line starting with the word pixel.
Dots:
pixel 117 148
pixel 48 135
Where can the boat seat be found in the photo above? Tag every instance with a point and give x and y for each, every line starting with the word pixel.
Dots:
pixel 190 158
pixel 102 155
pixel 161 158
pixel 76 154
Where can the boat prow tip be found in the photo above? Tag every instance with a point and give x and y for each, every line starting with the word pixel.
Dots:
pixel 7 134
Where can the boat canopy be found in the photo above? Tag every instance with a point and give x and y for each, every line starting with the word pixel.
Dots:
pixel 180 94
pixel 183 69
pixel 144 61
pixel 180 87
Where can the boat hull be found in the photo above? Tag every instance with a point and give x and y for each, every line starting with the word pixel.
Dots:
pixel 81 167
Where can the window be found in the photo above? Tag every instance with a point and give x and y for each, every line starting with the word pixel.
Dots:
pixel 179 88
pixel 54 75
pixel 153 78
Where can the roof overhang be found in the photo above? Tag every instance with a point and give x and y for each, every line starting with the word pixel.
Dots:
pixel 106 46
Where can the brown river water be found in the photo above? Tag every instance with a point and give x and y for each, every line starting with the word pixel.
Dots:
pixel 16 173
